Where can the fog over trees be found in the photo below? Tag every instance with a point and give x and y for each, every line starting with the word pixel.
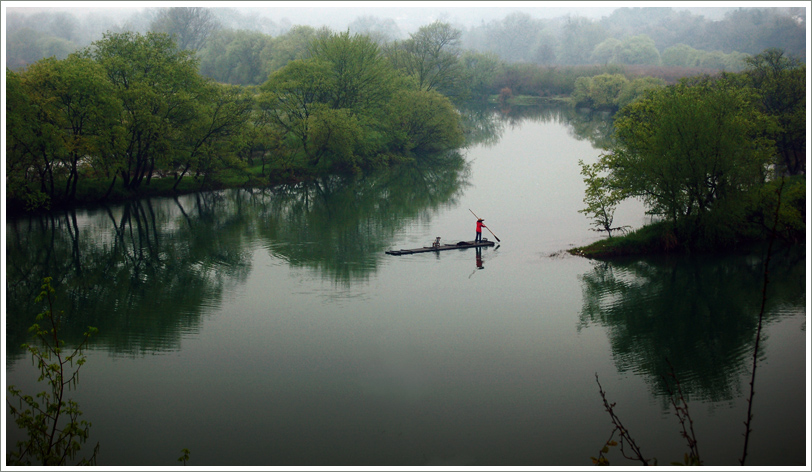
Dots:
pixel 259 40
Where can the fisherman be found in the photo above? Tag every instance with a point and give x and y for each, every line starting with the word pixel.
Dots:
pixel 479 226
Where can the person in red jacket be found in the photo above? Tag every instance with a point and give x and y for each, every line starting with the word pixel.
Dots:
pixel 479 226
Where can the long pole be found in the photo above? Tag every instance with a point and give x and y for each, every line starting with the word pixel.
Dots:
pixel 489 230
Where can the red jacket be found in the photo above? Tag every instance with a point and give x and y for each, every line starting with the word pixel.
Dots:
pixel 479 226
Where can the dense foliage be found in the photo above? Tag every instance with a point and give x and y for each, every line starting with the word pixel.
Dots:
pixel 691 152
pixel 611 91
pixel 55 433
pixel 781 84
pixel 206 101
pixel 707 156
pixel 134 108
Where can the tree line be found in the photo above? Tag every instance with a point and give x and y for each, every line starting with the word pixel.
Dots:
pixel 133 109
pixel 655 36
pixel 650 35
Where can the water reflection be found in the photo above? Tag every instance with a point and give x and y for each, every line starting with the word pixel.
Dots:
pixel 478 261
pixel 145 271
pixel 698 313
pixel 485 124
pixel 340 226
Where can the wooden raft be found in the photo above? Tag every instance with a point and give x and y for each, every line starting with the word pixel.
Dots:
pixel 443 247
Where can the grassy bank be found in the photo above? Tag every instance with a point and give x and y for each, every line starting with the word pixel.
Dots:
pixel 655 238
pixel 756 223
pixel 659 238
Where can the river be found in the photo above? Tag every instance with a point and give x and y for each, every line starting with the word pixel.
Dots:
pixel 269 327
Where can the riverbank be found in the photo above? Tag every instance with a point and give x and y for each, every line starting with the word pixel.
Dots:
pixel 658 238
pixel 94 191
pixel 754 224
pixel 91 192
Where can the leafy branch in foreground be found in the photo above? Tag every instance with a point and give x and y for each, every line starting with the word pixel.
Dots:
pixel 625 437
pixel 185 457
pixel 55 433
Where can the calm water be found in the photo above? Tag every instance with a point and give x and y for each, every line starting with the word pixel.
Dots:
pixel 269 327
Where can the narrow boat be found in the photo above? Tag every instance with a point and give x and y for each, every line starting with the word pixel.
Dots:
pixel 443 247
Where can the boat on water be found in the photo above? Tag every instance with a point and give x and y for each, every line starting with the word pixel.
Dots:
pixel 436 246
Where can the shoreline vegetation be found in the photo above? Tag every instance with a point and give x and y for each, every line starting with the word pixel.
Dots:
pixel 704 151
pixel 651 239
pixel 91 192
pixel 657 239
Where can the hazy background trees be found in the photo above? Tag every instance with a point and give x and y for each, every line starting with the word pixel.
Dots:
pixel 342 100
pixel 381 30
pixel 625 36
pixel 431 57
pixel 189 27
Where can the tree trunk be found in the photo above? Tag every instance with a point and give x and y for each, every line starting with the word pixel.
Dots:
pixel 110 189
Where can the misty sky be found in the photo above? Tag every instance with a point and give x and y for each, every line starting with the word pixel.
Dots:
pixel 408 15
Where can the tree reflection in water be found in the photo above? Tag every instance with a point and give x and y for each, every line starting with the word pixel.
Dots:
pixel 145 271
pixel 485 124
pixel 699 313
pixel 341 225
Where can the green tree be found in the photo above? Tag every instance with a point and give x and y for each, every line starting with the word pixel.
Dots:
pixel 432 57
pixel 235 57
pixel 606 89
pixel 293 45
pixel 360 78
pixel 79 102
pixel 336 136
pixel 481 70
pixel 637 88
pixel 23 170
pixel 158 86
pixel 692 152
pixel 638 50
pixel 581 91
pixel 424 122
pixel 189 27
pixel 600 199
pixel 223 111
pixel 680 55
pixel 599 92
pixel 256 140
pixel 64 120
pixel 289 99
pixel 51 420
pixel 781 82
pixel 345 107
